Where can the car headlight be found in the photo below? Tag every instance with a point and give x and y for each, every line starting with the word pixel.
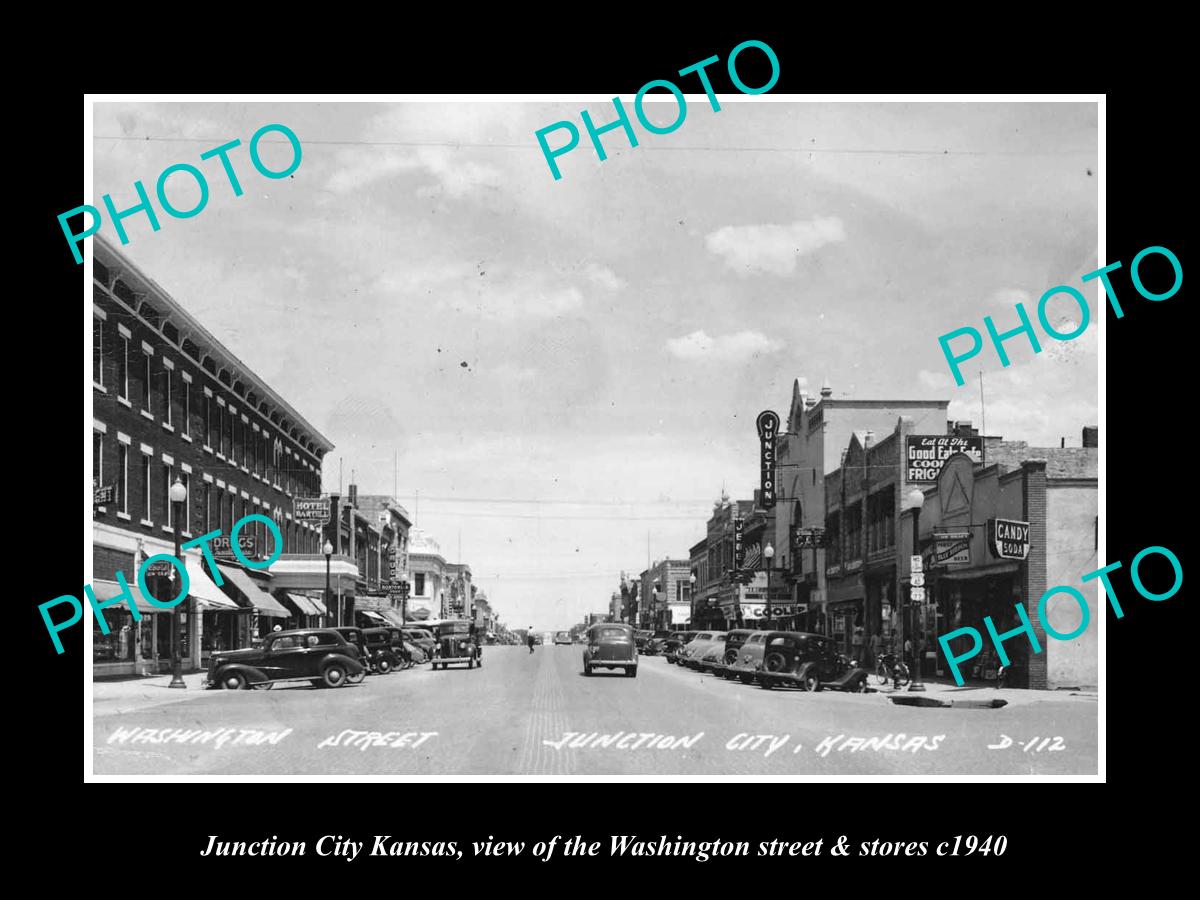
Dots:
pixel 220 661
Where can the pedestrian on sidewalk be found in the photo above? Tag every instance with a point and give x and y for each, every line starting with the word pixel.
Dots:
pixel 857 643
pixel 530 638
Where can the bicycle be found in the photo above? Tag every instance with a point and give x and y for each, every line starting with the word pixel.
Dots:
pixel 887 666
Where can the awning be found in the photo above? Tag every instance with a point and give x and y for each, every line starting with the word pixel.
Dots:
pixel 394 618
pixel 373 616
pixel 206 593
pixel 258 598
pixel 307 605
pixel 107 590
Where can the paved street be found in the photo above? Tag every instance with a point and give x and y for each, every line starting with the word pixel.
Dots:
pixel 519 714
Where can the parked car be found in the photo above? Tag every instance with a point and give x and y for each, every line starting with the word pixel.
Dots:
pixel 690 653
pixel 457 643
pixel 382 658
pixel 720 656
pixel 656 646
pixel 422 637
pixel 611 645
pixel 750 657
pixel 640 637
pixel 676 640
pixel 803 660
pixel 562 637
pixel 318 655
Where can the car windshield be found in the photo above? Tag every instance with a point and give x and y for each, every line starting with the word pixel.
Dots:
pixel 608 634
pixel 454 628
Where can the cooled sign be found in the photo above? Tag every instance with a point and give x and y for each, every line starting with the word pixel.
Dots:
pixel 1009 538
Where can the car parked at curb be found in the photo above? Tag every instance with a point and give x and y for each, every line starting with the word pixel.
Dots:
pixel 317 655
pixel 804 660
pixel 719 657
pixel 691 652
pixel 611 645
pixel 675 641
pixel 421 637
pixel 749 658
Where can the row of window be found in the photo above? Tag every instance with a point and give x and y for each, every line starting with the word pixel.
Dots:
pixel 210 504
pixel 881 528
pixel 169 395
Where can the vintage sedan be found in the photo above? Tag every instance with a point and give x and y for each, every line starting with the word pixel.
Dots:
pixel 749 659
pixel 719 657
pixel 803 660
pixel 318 655
pixel 422 638
pixel 562 637
pixel 676 640
pixel 691 652
pixel 457 642
pixel 611 645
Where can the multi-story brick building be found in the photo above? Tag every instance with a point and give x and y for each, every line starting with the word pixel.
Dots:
pixel 667 595
pixel 170 402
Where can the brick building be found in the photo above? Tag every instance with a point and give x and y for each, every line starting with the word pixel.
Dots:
pixel 170 402
pixel 666 595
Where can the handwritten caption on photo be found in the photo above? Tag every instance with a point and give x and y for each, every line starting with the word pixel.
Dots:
pixel 145 206
pixel 622 845
pixel 622 120
pixel 180 569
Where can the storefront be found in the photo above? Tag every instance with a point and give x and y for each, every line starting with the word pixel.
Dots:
pixel 306 612
pixel 260 612
pixel 130 647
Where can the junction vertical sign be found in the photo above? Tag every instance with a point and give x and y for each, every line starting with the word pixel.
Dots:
pixel 768 431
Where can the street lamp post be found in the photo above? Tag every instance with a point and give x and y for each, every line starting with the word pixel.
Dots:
pixel 691 598
pixel 178 494
pixel 915 500
pixel 328 551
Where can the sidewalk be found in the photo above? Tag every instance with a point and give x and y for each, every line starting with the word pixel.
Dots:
pixel 150 690
pixel 945 690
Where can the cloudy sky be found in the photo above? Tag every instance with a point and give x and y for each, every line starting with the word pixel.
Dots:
pixel 568 371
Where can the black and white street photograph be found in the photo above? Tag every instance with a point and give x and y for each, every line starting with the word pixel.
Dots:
pixel 685 436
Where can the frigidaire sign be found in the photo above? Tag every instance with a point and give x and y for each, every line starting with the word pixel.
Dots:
pixel 768 429
pixel 928 453
pixel 1009 538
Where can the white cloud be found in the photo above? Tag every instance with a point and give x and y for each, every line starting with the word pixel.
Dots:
pixel 604 277
pixel 360 167
pixel 772 248
pixel 743 345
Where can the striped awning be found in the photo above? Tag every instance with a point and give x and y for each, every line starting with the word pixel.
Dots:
pixel 207 594
pixel 373 616
pixel 263 602
pixel 107 590
pixel 307 605
pixel 394 618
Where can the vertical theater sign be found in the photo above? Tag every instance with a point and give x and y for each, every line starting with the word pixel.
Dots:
pixel 768 430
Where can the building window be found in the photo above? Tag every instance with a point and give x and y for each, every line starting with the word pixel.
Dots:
pixel 123 478
pixel 186 413
pixel 146 383
pixel 186 478
pixel 207 507
pixel 227 434
pixel 247 439
pixel 97 459
pixel 854 532
pixel 123 369
pixel 168 480
pixel 419 584
pixel 146 461
pixel 209 420
pixel 167 399
pixel 98 351
pixel 235 438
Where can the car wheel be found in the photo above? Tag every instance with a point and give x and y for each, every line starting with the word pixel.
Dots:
pixel 587 670
pixel 384 665
pixel 631 672
pixel 861 687
pixel 746 679
pixel 334 675
pixel 775 662
pixel 234 681
pixel 264 685
pixel 356 679
pixel 479 662
pixel 730 657
pixel 812 681
pixel 765 683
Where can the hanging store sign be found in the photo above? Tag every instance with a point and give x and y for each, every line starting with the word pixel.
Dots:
pixel 739 548
pixel 952 548
pixel 928 453
pixel 805 538
pixel 768 430
pixel 313 510
pixel 103 495
pixel 223 549
pixel 1009 538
